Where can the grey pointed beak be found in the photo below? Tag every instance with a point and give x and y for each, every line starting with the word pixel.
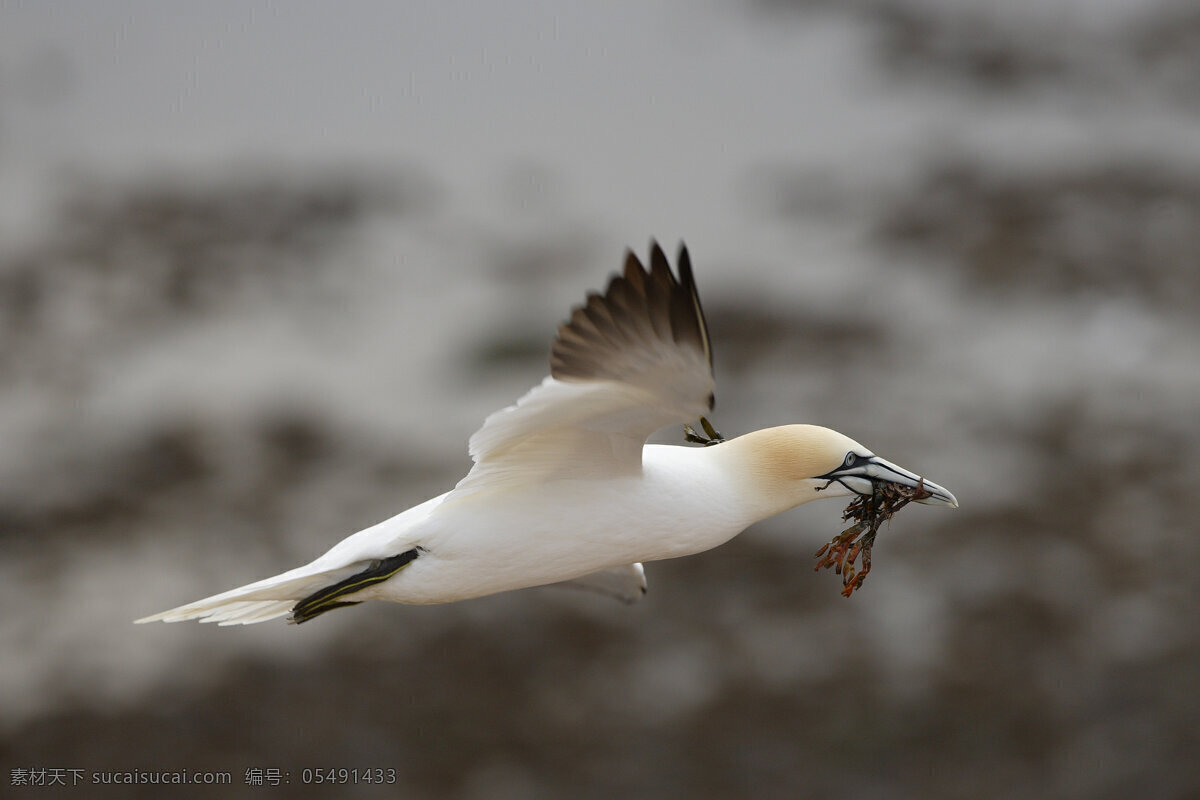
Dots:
pixel 859 478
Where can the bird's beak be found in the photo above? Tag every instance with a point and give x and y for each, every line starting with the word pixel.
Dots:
pixel 861 477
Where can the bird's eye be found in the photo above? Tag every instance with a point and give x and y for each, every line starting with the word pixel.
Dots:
pixel 851 459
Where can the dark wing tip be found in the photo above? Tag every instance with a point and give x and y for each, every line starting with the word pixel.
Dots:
pixel 688 282
pixel 638 305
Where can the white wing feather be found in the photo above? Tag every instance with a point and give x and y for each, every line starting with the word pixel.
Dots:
pixel 626 364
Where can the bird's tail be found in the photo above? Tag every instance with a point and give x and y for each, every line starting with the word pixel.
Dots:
pixel 305 592
pixel 256 602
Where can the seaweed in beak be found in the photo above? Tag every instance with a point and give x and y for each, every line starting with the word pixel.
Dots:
pixel 868 512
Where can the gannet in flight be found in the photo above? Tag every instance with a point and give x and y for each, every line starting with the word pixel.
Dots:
pixel 564 487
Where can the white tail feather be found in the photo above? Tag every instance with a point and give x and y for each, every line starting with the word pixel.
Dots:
pixel 249 612
pixel 276 596
pixel 256 602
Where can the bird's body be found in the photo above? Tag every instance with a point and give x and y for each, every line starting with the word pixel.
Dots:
pixel 564 487
pixel 565 529
pixel 691 498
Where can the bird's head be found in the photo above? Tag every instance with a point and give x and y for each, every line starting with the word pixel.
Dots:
pixel 794 464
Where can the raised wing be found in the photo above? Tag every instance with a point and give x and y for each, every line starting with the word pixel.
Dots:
pixel 626 363
pixel 643 323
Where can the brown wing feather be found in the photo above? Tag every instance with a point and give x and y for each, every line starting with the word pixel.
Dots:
pixel 640 312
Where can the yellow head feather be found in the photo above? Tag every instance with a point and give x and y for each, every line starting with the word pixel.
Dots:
pixel 778 466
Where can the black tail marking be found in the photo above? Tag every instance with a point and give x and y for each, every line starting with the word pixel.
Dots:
pixel 326 599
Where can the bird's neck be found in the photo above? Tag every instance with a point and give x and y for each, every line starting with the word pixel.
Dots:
pixel 767 471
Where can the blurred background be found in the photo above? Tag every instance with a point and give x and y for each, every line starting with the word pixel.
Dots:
pixel 264 267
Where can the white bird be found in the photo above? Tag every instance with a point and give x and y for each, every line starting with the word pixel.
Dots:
pixel 564 487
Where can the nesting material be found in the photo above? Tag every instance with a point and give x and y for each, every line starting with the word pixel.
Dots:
pixel 868 513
